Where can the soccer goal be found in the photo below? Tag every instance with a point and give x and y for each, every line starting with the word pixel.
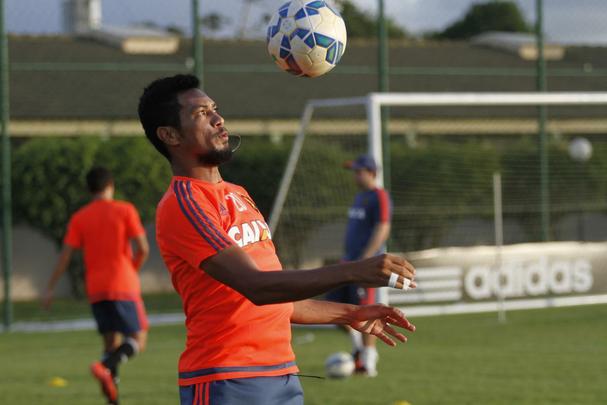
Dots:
pixel 445 152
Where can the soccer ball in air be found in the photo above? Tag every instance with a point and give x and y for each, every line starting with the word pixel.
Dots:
pixel 307 38
pixel 339 365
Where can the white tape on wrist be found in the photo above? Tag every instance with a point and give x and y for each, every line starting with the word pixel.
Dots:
pixel 392 281
pixel 406 284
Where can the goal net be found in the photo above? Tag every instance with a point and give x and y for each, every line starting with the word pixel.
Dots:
pixel 438 161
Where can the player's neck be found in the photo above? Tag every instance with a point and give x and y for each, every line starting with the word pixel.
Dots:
pixel 103 196
pixel 369 187
pixel 209 174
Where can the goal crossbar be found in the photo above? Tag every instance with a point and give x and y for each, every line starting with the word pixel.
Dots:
pixel 373 103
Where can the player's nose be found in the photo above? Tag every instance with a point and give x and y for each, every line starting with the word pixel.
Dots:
pixel 218 120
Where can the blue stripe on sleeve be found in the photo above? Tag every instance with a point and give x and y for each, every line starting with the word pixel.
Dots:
pixel 206 218
pixel 187 215
pixel 204 221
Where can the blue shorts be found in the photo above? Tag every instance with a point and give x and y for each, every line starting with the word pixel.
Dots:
pixel 354 294
pixel 126 317
pixel 281 390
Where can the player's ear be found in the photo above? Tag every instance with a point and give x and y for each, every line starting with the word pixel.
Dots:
pixel 168 135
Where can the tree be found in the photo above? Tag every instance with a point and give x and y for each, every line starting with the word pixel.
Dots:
pixel 214 22
pixel 364 25
pixel 492 16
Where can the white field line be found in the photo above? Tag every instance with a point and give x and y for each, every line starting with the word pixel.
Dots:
pixel 418 311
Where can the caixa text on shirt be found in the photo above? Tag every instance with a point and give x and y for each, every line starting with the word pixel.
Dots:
pixel 356 213
pixel 250 232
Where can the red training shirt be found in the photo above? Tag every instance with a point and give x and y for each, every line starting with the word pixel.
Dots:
pixel 102 229
pixel 227 335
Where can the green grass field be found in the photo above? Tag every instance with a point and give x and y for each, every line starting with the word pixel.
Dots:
pixel 554 356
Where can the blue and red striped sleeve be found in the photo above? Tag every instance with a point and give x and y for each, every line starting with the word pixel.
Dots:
pixel 192 228
pixel 384 205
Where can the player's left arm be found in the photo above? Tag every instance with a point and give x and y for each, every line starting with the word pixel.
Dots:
pixel 378 238
pixel 376 320
pixel 381 232
pixel 136 233
pixel 142 251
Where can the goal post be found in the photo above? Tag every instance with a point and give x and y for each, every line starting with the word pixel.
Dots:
pixel 434 226
pixel 374 101
pixel 306 117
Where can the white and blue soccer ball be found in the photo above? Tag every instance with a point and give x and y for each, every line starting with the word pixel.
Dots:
pixel 307 37
pixel 339 365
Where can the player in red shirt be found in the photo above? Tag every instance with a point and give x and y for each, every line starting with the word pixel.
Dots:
pixel 238 302
pixel 103 229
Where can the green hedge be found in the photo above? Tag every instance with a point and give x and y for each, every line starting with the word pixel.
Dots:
pixel 49 176
pixel 433 184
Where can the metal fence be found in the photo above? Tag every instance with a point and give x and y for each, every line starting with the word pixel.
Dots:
pixel 76 84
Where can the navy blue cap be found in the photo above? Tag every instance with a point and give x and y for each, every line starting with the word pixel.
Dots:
pixel 362 162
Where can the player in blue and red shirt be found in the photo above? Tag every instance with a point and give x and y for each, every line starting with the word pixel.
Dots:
pixel 238 301
pixel 366 234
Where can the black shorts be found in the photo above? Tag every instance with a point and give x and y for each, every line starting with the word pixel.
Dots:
pixel 126 317
pixel 354 294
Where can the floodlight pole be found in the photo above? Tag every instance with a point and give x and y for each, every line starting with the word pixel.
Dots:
pixel 7 248
pixel 197 42
pixel 542 116
pixel 384 86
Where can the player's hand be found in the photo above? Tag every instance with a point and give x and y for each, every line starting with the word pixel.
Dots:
pixel 378 320
pixel 376 272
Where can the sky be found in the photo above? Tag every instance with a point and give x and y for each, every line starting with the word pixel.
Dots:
pixel 566 21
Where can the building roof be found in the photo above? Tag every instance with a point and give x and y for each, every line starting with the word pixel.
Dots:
pixel 67 78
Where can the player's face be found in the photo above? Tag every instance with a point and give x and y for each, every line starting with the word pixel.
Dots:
pixel 202 128
pixel 365 179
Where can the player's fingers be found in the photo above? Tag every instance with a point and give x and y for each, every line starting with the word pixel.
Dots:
pixel 402 262
pixel 397 317
pixel 384 338
pixel 397 259
pixel 400 282
pixel 393 316
pixel 403 283
pixel 403 324
pixel 391 331
pixel 402 271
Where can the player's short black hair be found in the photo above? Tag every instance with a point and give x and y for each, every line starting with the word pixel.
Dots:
pixel 98 178
pixel 158 106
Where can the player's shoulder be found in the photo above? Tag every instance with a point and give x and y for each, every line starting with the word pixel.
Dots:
pixel 124 208
pixel 124 205
pixel 182 199
pixel 236 188
pixel 381 192
pixel 80 213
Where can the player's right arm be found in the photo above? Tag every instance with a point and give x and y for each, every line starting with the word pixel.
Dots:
pixel 60 268
pixel 233 267
pixel 189 226
pixel 73 240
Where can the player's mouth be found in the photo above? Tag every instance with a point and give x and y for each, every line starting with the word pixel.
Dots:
pixel 223 135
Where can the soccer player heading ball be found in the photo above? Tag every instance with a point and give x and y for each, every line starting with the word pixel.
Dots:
pixel 238 301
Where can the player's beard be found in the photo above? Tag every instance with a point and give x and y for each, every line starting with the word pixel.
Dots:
pixel 216 157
